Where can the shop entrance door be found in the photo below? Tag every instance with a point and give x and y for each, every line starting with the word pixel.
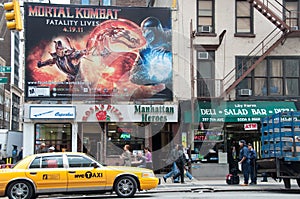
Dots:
pixel 161 148
pixel 233 147
pixel 90 137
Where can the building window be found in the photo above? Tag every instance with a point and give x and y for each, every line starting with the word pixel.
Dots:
pixel 205 74
pixel 106 2
pixel 120 134
pixel 85 2
pixel 292 72
pixel 291 13
pixel 205 19
pixel 56 135
pixel 15 112
pixel 278 76
pixel 244 17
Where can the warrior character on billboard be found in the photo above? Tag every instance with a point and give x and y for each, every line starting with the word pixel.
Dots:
pixel 67 60
pixel 154 65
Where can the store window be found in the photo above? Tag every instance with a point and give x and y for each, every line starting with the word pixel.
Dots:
pixel 56 135
pixel 244 17
pixel 119 134
pixel 207 144
pixel 205 16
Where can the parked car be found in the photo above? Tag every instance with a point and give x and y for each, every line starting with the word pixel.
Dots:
pixel 68 172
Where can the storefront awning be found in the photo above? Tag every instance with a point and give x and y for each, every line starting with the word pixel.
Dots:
pixel 237 111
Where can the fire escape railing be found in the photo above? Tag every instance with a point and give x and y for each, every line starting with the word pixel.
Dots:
pixel 259 53
pixel 275 11
pixel 248 63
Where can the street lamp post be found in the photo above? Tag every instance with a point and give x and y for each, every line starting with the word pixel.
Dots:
pixel 3 107
pixel 192 36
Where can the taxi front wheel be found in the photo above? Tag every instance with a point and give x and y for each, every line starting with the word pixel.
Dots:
pixel 125 186
pixel 20 190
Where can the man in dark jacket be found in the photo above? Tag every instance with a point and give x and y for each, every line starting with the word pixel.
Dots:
pixel 252 157
pixel 180 162
pixel 171 161
pixel 244 160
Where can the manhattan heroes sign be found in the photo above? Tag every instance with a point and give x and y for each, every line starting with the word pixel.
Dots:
pixel 240 111
pixel 127 113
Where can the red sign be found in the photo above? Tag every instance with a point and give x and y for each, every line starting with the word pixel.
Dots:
pixel 250 126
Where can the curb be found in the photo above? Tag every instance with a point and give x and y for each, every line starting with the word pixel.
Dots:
pixel 213 189
pixel 219 185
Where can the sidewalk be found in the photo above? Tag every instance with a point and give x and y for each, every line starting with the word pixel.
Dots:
pixel 219 184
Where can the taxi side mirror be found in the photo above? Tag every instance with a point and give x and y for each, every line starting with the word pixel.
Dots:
pixel 95 165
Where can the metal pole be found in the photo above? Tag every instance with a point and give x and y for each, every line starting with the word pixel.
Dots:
pixel 189 141
pixel 3 107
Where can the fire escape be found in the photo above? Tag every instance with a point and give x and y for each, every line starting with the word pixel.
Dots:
pixel 275 13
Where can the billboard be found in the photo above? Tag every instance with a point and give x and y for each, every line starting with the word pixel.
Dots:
pixel 75 52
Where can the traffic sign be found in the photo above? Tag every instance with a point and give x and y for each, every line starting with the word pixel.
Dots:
pixel 5 69
pixel 3 80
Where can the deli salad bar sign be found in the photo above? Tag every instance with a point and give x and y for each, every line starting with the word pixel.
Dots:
pixel 241 111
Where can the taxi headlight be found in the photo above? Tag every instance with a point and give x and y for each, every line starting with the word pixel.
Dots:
pixel 147 174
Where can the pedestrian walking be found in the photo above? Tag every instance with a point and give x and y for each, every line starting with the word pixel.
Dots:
pixel 172 156
pixel 42 148
pixel 14 154
pixel 20 155
pixel 244 161
pixel 188 161
pixel 180 163
pixel 265 177
pixel 141 160
pixel 51 149
pixel 126 156
pixel 1 156
pixel 252 157
pixel 148 155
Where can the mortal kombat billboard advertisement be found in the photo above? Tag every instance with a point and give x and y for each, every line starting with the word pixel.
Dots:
pixel 75 52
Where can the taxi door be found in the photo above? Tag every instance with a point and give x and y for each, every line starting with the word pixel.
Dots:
pixel 82 176
pixel 48 173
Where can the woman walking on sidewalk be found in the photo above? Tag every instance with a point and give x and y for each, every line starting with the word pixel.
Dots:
pixel 126 156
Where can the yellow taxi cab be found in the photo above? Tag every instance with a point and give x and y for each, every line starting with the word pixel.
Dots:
pixel 68 172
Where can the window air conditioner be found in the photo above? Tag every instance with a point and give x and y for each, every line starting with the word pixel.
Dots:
pixel 295 28
pixel 205 29
pixel 245 92
pixel 202 55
